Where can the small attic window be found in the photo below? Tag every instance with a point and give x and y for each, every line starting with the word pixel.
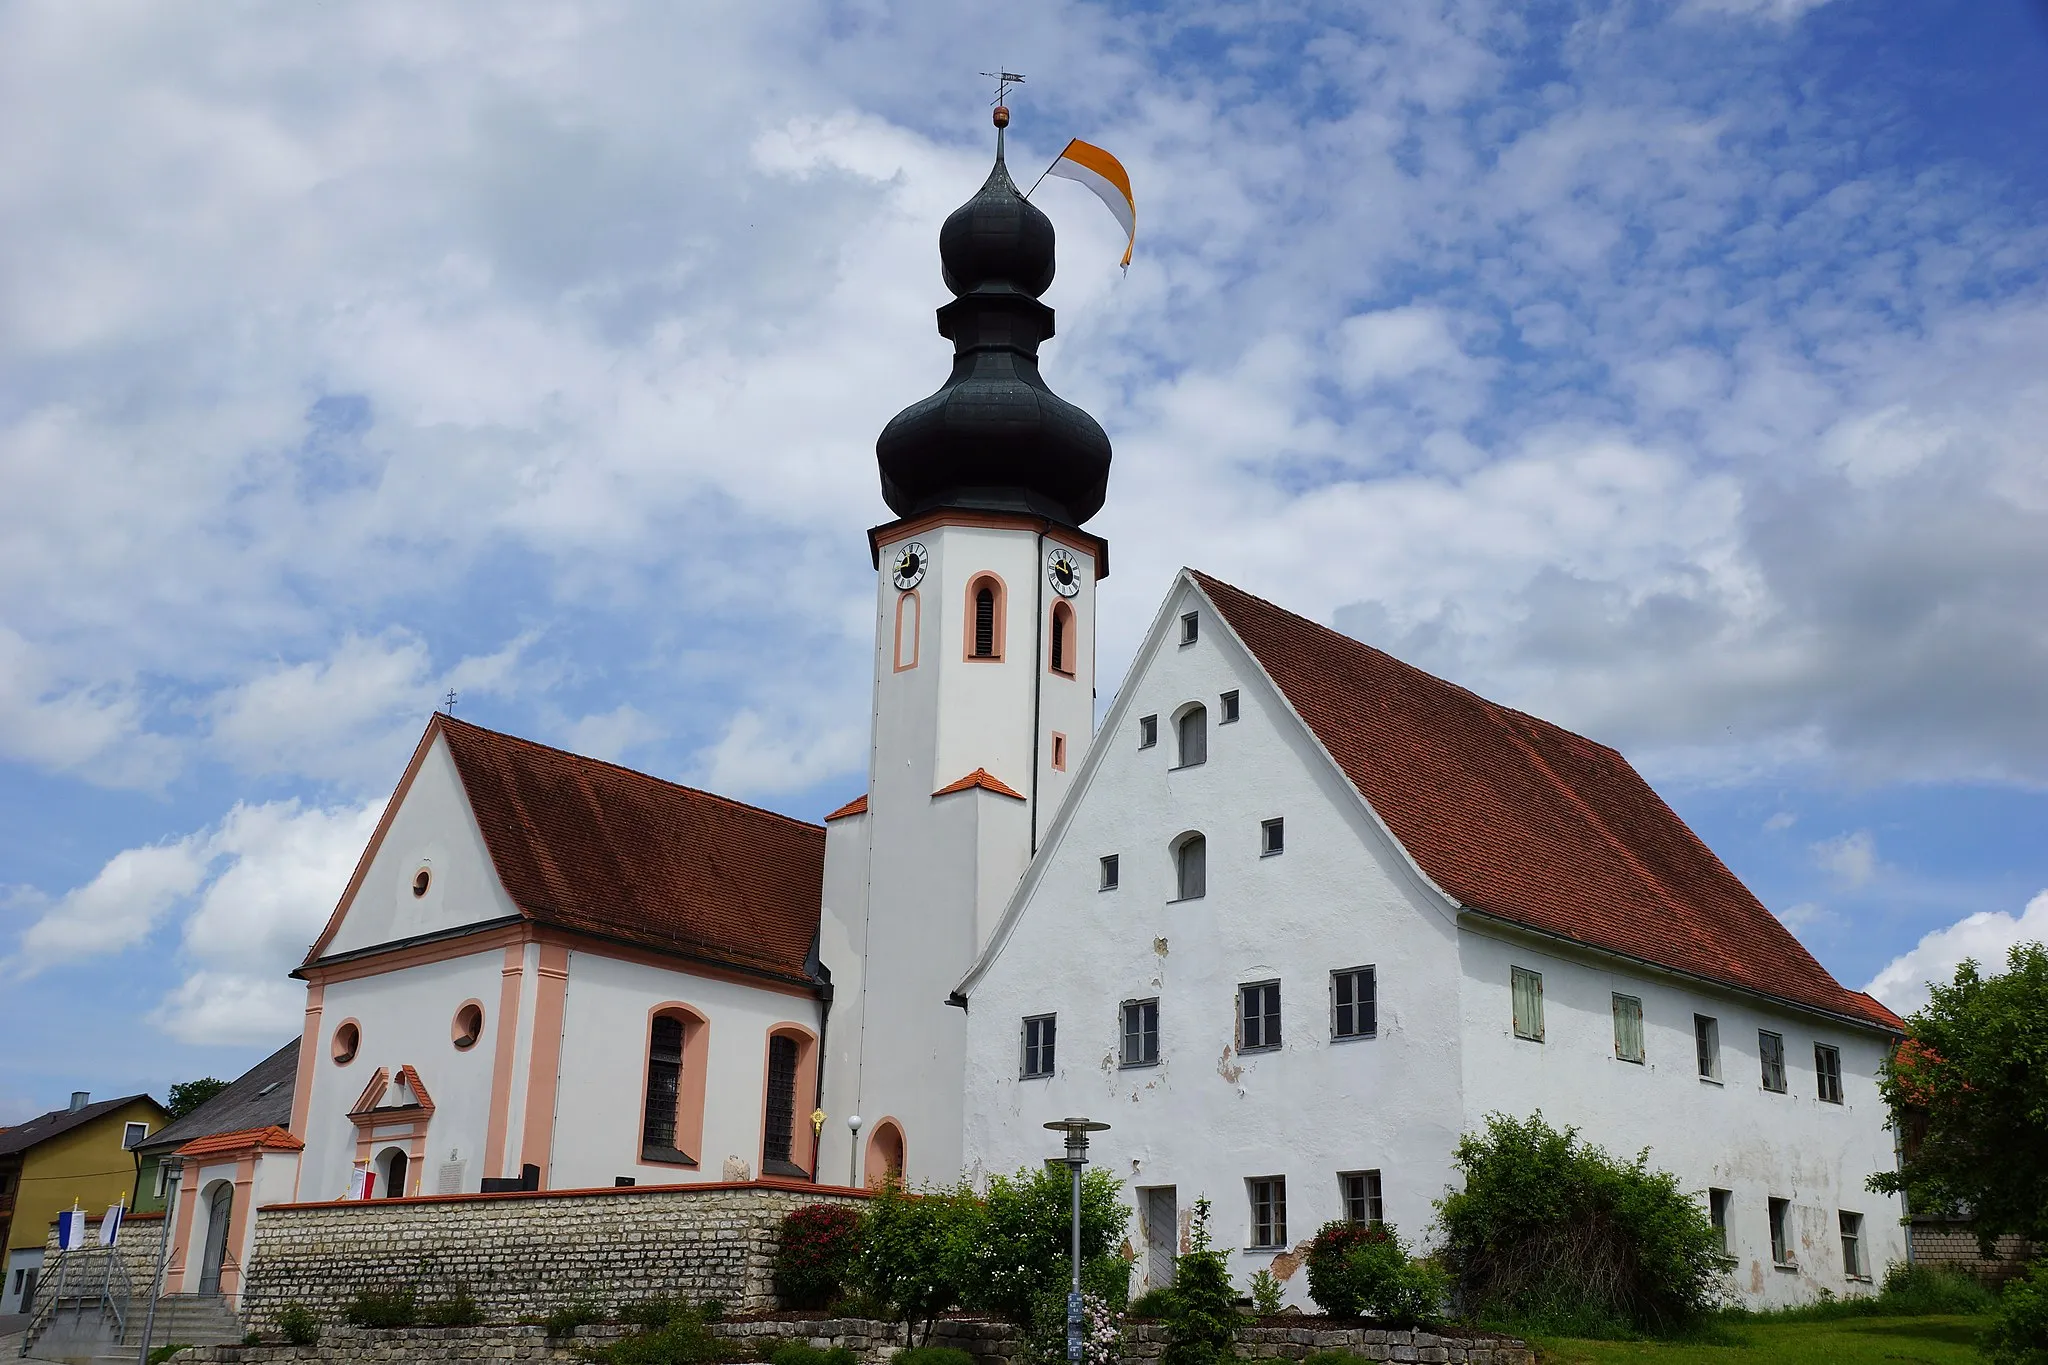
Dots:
pixel 347 1040
pixel 468 1026
pixel 421 880
pixel 1190 627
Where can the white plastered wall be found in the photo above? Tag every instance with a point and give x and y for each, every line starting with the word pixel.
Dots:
pixel 1737 1136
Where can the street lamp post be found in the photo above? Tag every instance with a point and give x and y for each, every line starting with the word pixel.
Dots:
pixel 1077 1131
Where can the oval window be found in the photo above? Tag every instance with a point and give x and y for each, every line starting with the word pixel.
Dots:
pixel 421 880
pixel 469 1025
pixel 347 1039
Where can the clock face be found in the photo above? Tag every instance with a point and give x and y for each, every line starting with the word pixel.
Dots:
pixel 1063 571
pixel 910 566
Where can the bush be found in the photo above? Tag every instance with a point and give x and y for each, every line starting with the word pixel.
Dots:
pixel 1553 1234
pixel 816 1257
pixel 802 1353
pixel 457 1310
pixel 1201 1319
pixel 162 1353
pixel 660 1312
pixel 1333 1358
pixel 2019 1325
pixel 914 1251
pixel 711 1310
pixel 570 1316
pixel 1363 1271
pixel 298 1324
pixel 1267 1296
pixel 382 1308
pixel 683 1340
pixel 1024 1248
pixel 1925 1290
pixel 1153 1303
pixel 932 1355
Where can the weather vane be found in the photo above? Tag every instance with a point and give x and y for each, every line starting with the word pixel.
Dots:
pixel 1004 80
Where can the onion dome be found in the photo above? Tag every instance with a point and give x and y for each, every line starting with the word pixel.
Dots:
pixel 995 437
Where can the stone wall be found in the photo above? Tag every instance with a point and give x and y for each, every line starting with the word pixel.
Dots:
pixel 992 1343
pixel 524 1254
pixel 135 1252
pixel 1953 1246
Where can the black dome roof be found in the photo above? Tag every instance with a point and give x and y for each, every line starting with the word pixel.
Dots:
pixel 995 436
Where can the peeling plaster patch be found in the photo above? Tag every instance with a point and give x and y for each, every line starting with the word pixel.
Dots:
pixel 1159 946
pixel 1226 1065
pixel 1287 1262
pixel 1756 1277
pixel 1187 1220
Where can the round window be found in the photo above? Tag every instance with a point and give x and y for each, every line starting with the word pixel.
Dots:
pixel 347 1039
pixel 421 880
pixel 469 1025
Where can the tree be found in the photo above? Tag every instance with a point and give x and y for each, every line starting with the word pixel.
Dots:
pixel 1970 1086
pixel 189 1095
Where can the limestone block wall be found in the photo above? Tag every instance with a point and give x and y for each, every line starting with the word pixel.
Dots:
pixel 135 1252
pixel 1953 1246
pixel 522 1255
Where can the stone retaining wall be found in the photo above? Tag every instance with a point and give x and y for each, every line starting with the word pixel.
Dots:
pixel 992 1343
pixel 523 1255
pixel 1954 1247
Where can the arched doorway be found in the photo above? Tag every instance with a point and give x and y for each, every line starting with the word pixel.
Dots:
pixel 391 1172
pixel 220 1211
pixel 885 1154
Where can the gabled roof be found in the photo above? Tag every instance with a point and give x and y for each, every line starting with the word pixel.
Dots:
pixel 43 1127
pixel 270 1138
pixel 591 847
pixel 1522 820
pixel 259 1098
pixel 857 806
pixel 984 779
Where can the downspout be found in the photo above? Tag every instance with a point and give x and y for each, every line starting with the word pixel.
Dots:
pixel 824 975
pixel 1037 678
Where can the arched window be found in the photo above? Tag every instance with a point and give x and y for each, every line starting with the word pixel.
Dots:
pixel 885 1154
pixel 1193 725
pixel 787 1139
pixel 392 1165
pixel 985 617
pixel 909 618
pixel 672 1112
pixel 1061 652
pixel 1191 867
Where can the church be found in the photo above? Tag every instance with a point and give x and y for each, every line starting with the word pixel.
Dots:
pixel 1291 918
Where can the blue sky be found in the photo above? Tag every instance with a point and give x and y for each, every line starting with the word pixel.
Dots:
pixel 1671 370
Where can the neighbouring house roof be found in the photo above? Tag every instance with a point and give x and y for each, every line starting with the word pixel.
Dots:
pixel 589 846
pixel 259 1098
pixel 1520 819
pixel 982 778
pixel 43 1127
pixel 269 1138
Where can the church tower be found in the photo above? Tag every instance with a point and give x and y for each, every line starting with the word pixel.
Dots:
pixel 984 692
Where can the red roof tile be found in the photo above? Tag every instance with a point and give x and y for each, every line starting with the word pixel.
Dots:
pixel 272 1138
pixel 857 806
pixel 585 845
pixel 1520 819
pixel 980 778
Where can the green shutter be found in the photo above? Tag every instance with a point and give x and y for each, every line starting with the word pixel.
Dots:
pixel 1528 991
pixel 1628 1028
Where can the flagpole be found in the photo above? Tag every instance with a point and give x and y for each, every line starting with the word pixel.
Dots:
pixel 1046 172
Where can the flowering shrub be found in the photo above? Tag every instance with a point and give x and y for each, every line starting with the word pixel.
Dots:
pixel 819 1244
pixel 1362 1271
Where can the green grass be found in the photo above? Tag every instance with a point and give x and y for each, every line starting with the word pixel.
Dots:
pixel 1949 1339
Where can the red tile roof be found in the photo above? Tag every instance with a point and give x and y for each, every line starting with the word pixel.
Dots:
pixel 1520 819
pixel 980 778
pixel 857 806
pixel 272 1138
pixel 589 846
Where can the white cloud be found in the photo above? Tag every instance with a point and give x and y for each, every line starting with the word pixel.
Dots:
pixel 610 734
pixel 1780 822
pixel 117 909
pixel 765 755
pixel 1984 936
pixel 1851 858
pixel 92 730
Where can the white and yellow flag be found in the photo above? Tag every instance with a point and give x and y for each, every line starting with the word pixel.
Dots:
pixel 1104 174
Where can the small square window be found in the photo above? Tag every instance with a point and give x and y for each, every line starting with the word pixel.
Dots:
pixel 1706 1041
pixel 1039 1035
pixel 1059 752
pixel 1852 1246
pixel 1354 1006
pixel 1148 731
pixel 1229 700
pixel 1717 1212
pixel 1781 1232
pixel 1361 1190
pixel 1272 837
pixel 1628 1028
pixel 1827 1069
pixel 1258 1016
pixel 1771 1051
pixel 1190 628
pixel 1269 1211
pixel 1528 993
pixel 1108 872
pixel 1141 1032
pixel 133 1133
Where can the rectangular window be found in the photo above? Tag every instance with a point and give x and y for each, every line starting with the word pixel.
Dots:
pixel 1229 700
pixel 1528 989
pixel 1148 731
pixel 1781 1234
pixel 1354 1003
pixel 1827 1068
pixel 1706 1042
pixel 1272 837
pixel 1141 1032
pixel 163 1178
pixel 1109 870
pixel 1269 1211
pixel 664 1083
pixel 1628 1028
pixel 1059 752
pixel 1190 628
pixel 1717 1210
pixel 1771 1051
pixel 1039 1031
pixel 1258 1016
pixel 133 1133
pixel 1852 1246
pixel 1361 1191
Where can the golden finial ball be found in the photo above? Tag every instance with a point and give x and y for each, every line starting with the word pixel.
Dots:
pixel 1002 116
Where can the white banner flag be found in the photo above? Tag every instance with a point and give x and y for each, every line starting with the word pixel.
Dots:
pixel 71 1230
pixel 110 1226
